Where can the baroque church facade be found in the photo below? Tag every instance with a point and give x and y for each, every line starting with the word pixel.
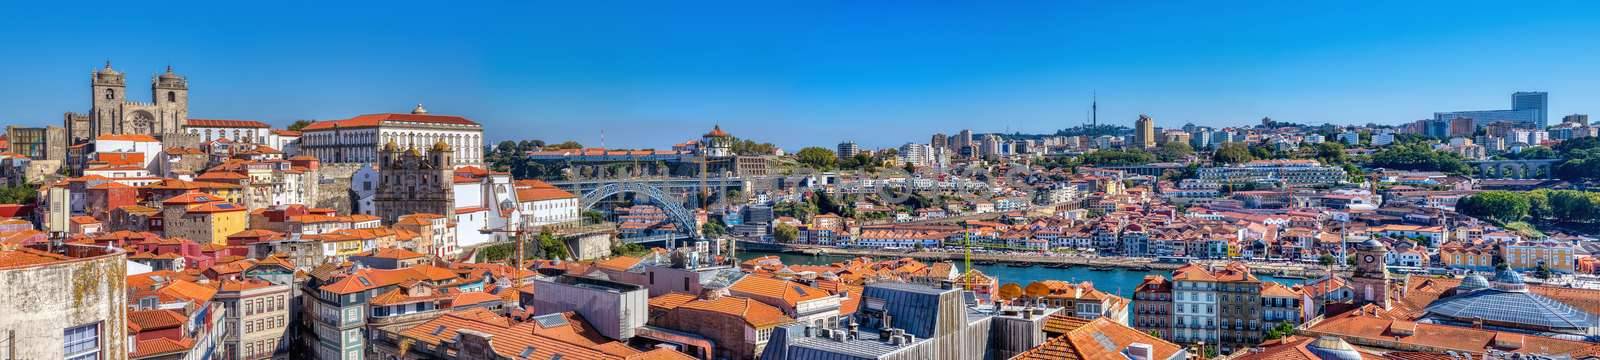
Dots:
pixel 112 112
pixel 411 181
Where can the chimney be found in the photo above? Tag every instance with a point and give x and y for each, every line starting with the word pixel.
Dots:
pixel 1138 351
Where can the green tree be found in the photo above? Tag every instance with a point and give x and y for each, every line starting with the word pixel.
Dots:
pixel 785 233
pixel 1282 330
pixel 565 145
pixel 594 216
pixel 1117 157
pixel 1326 260
pixel 1418 157
pixel 1232 153
pixel 1500 206
pixel 1174 150
pixel 817 158
pixel 300 124
pixel 19 194
pixel 713 229
pixel 630 249
pixel 1331 153
pixel 553 247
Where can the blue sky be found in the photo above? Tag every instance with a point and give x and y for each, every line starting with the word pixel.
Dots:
pixel 881 73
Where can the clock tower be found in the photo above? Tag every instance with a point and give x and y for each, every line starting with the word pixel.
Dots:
pixel 1371 278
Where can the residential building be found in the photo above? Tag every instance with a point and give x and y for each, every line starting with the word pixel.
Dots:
pixel 1194 305
pixel 848 149
pixel 1144 132
pixel 202 217
pixel 244 131
pixel 1153 311
pixel 257 318
pixel 1531 255
pixel 739 327
pixel 1076 338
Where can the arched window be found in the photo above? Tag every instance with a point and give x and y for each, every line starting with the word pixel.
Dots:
pixel 111 94
pixel 172 96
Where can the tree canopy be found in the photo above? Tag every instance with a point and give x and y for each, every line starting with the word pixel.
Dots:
pixel 1232 153
pixel 1418 157
pixel 817 158
pixel 1117 157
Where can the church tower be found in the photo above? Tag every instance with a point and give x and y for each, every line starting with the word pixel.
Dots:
pixel 109 91
pixel 171 93
pixel 1371 278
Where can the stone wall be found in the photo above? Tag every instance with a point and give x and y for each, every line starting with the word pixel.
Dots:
pixel 41 301
pixel 333 187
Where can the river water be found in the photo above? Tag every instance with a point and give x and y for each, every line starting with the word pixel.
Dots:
pixel 1117 281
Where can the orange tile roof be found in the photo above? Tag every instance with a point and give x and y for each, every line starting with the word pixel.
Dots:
pixel 472 298
pixel 512 338
pixel 155 319
pixel 754 313
pixel 619 263
pixel 21 257
pixel 1363 324
pixel 120 158
pixel 126 137
pixel 791 293
pixel 671 300
pixel 161 346
pixel 371 120
pixel 212 123
pixel 1090 339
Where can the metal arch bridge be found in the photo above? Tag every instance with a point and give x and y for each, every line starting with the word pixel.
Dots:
pixel 670 205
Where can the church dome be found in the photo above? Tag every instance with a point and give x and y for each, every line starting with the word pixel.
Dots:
pixel 1473 282
pixel 441 146
pixel 1333 348
pixel 1509 280
pixel 1371 245
pixel 716 131
pixel 419 110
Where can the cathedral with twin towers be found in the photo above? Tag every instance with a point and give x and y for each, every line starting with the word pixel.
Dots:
pixel 113 112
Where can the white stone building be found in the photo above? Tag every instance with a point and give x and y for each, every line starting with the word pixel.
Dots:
pixel 245 131
pixel 284 140
pixel 359 139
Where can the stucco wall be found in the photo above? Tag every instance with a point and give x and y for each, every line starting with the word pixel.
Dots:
pixel 42 301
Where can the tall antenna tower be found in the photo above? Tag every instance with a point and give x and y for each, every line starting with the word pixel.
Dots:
pixel 1094 113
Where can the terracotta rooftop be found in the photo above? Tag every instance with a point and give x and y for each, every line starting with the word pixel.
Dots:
pixel 755 313
pixel 226 123
pixel 371 120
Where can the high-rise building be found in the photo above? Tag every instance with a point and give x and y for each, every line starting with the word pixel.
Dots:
pixel 990 146
pixel 939 141
pixel 1582 119
pixel 1528 109
pixel 1537 101
pixel 848 149
pixel 1144 133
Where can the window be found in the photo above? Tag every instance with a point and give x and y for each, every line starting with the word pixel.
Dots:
pixel 82 342
pixel 172 96
pixel 111 94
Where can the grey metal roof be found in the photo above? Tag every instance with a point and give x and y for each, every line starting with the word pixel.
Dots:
pixel 866 346
pixel 1512 307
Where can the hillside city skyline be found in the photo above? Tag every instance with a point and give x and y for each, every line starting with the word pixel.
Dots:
pixel 798 75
